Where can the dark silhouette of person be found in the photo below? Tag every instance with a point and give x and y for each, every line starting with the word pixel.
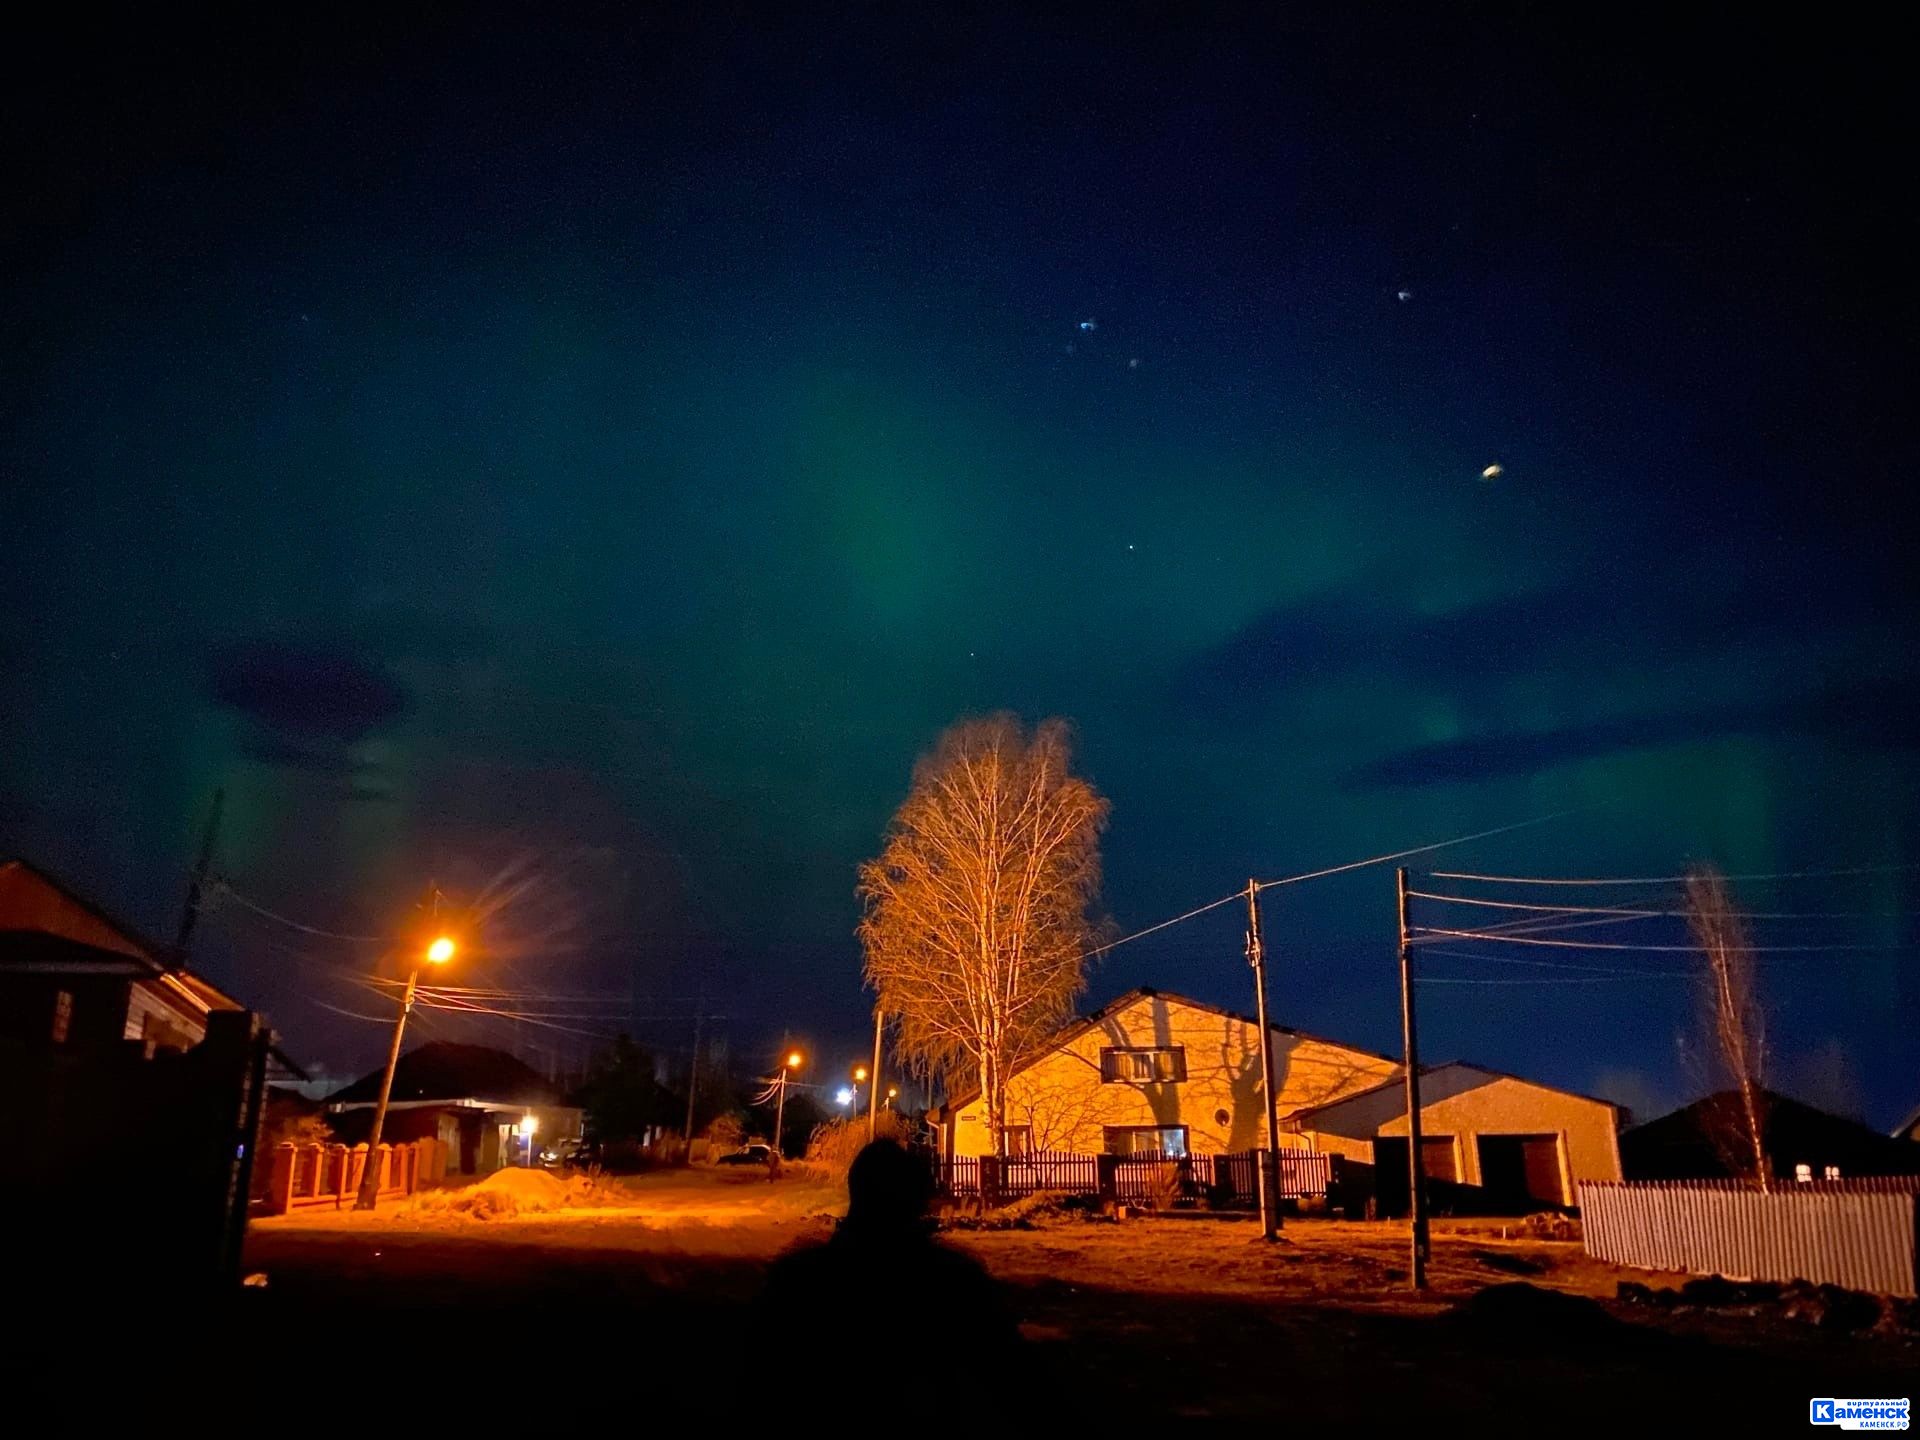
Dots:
pixel 885 1304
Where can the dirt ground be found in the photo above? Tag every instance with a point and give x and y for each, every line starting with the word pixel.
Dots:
pixel 1138 1319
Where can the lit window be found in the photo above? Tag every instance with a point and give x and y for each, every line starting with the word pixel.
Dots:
pixel 1832 1172
pixel 1803 1173
pixel 1143 1064
pixel 1164 1142
pixel 62 1015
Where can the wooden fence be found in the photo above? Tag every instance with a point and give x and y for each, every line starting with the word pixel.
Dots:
pixel 1857 1233
pixel 308 1175
pixel 1217 1181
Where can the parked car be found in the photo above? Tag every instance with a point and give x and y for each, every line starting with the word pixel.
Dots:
pixel 757 1153
pixel 566 1152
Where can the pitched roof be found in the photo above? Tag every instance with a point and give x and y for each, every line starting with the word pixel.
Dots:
pixel 1426 1070
pixel 1076 1028
pixel 443 1070
pixel 32 902
pixel 45 922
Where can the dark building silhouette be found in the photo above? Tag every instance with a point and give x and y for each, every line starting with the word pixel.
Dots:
pixel 1802 1143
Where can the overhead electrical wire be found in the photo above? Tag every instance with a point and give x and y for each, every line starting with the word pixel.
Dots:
pixel 1670 879
pixel 1418 850
pixel 225 888
pixel 1513 939
pixel 1550 979
pixel 1643 914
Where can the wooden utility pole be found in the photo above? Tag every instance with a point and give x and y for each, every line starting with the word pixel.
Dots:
pixel 369 1195
pixel 196 886
pixel 1269 1180
pixel 1409 1040
pixel 873 1077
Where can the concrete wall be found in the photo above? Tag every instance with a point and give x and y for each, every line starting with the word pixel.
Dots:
pixel 1064 1099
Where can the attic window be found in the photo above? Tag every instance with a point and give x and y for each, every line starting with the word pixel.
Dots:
pixel 1143 1064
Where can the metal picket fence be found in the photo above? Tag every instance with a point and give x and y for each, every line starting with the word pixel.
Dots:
pixel 1858 1233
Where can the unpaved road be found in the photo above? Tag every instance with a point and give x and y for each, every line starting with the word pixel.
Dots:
pixel 1139 1320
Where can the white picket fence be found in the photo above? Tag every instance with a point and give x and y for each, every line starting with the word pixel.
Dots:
pixel 1856 1233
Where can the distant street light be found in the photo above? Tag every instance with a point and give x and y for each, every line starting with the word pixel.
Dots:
pixel 438 952
pixel 529 1124
pixel 859 1074
pixel 843 1097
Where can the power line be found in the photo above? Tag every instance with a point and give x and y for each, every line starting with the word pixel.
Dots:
pixel 1649 914
pixel 1141 934
pixel 1321 874
pixel 1670 879
pixel 1511 939
pixel 1553 979
pixel 225 887
pixel 1539 964
pixel 1417 850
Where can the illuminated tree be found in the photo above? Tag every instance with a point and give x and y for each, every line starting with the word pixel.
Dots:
pixel 977 930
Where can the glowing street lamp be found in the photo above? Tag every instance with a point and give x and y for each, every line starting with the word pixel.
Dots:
pixel 529 1123
pixel 438 952
pixel 794 1061
pixel 859 1074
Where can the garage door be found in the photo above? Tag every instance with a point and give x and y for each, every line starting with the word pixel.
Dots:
pixel 1521 1171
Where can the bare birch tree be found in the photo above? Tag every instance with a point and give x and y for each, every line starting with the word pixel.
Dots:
pixel 976 928
pixel 1735 1023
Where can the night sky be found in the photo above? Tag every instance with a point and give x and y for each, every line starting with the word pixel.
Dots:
pixel 587 465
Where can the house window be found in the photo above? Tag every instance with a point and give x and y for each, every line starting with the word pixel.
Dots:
pixel 62 1015
pixel 1833 1172
pixel 1803 1174
pixel 1143 1064
pixel 1166 1142
pixel 1019 1139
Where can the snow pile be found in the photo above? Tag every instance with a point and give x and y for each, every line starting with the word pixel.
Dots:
pixel 503 1194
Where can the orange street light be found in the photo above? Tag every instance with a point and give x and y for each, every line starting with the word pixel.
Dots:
pixel 438 952
pixel 859 1074
pixel 793 1060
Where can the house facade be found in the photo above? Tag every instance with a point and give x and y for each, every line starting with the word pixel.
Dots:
pixel 471 1098
pixel 1159 1074
pixel 1153 1073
